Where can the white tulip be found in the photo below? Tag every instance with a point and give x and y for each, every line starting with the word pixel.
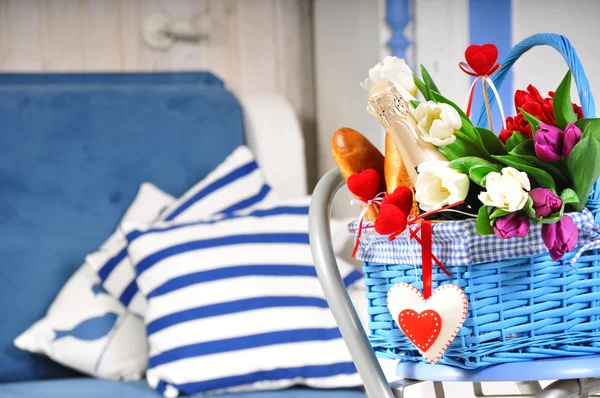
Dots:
pixel 437 122
pixel 395 70
pixel 439 185
pixel 506 191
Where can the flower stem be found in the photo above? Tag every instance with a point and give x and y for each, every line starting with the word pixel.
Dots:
pixel 487 103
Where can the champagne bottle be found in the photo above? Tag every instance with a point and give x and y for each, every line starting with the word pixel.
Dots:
pixel 395 116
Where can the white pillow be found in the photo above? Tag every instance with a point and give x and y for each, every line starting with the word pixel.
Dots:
pixel 237 184
pixel 88 330
pixel 234 304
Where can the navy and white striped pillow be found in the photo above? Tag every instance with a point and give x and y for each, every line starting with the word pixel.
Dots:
pixel 237 185
pixel 235 304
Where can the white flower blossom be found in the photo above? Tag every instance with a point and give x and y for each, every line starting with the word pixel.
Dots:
pixel 437 122
pixel 439 185
pixel 395 70
pixel 506 191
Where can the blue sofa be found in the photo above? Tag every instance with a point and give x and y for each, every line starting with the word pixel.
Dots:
pixel 73 151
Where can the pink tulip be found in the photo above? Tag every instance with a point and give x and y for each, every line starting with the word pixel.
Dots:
pixel 560 237
pixel 514 224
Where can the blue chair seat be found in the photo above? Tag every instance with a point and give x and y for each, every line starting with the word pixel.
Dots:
pixel 543 369
pixel 94 388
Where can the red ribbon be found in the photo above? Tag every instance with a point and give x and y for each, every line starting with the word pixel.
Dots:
pixel 375 202
pixel 425 240
pixel 427 255
pixel 469 71
pixel 358 236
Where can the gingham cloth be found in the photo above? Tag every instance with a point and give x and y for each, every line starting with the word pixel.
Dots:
pixel 457 243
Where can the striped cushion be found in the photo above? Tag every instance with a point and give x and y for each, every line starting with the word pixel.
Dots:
pixel 234 304
pixel 236 185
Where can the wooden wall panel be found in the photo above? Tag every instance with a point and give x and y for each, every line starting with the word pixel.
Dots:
pixel 62 34
pixel 20 43
pixel 255 46
pixel 101 36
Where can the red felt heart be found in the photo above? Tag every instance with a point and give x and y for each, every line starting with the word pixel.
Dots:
pixel 402 198
pixel 365 185
pixel 422 329
pixel 390 219
pixel 481 58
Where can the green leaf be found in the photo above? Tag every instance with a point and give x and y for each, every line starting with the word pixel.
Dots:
pixel 464 164
pixel 464 137
pixel 491 142
pixel 526 151
pixel 524 148
pixel 458 149
pixel 477 174
pixel 414 103
pixel 543 179
pixel 483 225
pixel 552 218
pixel 555 170
pixel 497 213
pixel 454 151
pixel 528 209
pixel 428 80
pixel 470 130
pixel 584 165
pixel 534 122
pixel 561 103
pixel 558 171
pixel 590 126
pixel 514 141
pixel 569 196
pixel 422 87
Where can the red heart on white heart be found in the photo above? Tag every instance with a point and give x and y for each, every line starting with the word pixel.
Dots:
pixel 430 324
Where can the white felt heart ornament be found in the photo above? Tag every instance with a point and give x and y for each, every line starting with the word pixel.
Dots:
pixel 430 324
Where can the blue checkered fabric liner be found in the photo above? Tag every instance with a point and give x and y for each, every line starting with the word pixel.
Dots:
pixel 456 243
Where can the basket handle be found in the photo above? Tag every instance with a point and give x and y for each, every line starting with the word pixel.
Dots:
pixel 563 46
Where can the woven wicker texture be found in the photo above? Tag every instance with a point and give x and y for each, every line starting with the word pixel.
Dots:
pixel 519 309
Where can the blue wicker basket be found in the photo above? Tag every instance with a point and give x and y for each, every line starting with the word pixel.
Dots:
pixel 521 306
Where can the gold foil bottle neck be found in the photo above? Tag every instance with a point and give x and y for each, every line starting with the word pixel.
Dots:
pixel 389 105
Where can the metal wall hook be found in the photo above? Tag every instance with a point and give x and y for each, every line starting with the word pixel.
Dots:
pixel 160 31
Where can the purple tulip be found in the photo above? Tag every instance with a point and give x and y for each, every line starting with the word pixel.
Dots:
pixel 571 138
pixel 514 224
pixel 544 202
pixel 548 142
pixel 560 237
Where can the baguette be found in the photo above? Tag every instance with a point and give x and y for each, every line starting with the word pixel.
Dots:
pixel 395 171
pixel 353 153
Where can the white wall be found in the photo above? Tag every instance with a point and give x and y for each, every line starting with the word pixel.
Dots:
pixel 347 36
pixel 441 31
pixel 348 41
